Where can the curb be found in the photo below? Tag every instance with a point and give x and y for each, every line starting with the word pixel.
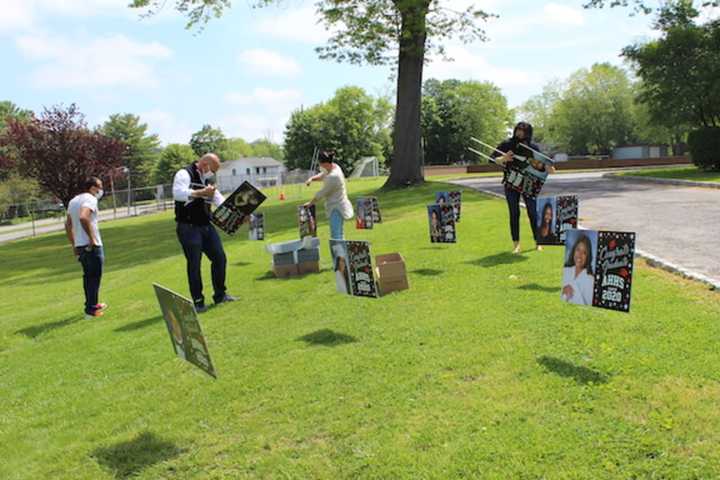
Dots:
pixel 654 260
pixel 661 181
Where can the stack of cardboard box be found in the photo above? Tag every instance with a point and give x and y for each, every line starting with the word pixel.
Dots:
pixel 391 273
pixel 296 257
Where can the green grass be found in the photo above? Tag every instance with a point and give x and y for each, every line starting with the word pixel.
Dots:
pixel 679 173
pixel 478 371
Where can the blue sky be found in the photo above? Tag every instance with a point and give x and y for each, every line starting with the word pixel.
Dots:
pixel 248 70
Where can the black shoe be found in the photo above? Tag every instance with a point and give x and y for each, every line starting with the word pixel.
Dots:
pixel 226 298
pixel 200 308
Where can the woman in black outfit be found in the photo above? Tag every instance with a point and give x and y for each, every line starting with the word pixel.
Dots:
pixel 522 134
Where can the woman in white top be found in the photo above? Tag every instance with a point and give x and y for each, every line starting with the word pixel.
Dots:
pixel 578 278
pixel 334 190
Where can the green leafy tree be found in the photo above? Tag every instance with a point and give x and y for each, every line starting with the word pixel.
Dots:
pixel 680 70
pixel 142 149
pixel 19 191
pixel 453 111
pixel 265 148
pixel 352 123
pixel 538 110
pixel 235 148
pixel 208 140
pixel 377 32
pixel 173 157
pixel 8 112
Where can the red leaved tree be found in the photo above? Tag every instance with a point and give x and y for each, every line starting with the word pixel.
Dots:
pixel 59 151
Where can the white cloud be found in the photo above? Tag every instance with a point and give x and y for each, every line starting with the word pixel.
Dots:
pixel 110 61
pixel 267 98
pixel 253 126
pixel 268 62
pixel 16 16
pixel 556 14
pixel 297 25
pixel 469 65
pixel 167 126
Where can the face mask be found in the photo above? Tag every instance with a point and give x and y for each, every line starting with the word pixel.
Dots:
pixel 99 194
pixel 208 175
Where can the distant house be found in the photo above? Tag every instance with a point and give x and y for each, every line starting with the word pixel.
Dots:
pixel 626 152
pixel 260 171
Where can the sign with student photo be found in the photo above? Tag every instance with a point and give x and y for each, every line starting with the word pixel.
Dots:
pixel 441 219
pixel 450 198
pixel 233 212
pixel 182 323
pixel 307 221
pixel 598 268
pixel 555 216
pixel 364 218
pixel 352 265
pixel 257 226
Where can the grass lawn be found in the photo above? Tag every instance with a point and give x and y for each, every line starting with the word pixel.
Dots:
pixel 679 173
pixel 478 371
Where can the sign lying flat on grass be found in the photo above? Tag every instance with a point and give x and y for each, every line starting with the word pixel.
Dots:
pixel 450 198
pixel 257 226
pixel 598 268
pixel 307 221
pixel 555 216
pixel 352 264
pixel 234 210
pixel 442 224
pixel 184 329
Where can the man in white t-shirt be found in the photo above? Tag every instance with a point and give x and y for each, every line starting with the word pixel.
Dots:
pixel 82 231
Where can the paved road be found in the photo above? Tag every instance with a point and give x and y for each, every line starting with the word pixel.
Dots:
pixel 677 224
pixel 24 230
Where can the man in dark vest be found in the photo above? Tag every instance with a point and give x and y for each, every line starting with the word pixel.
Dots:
pixel 193 195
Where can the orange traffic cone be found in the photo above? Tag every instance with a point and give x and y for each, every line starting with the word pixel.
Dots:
pixel 282 195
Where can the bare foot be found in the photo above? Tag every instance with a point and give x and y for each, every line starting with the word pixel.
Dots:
pixel 539 248
pixel 517 248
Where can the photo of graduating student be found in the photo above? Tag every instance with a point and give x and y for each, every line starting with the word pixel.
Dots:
pixel 364 217
pixel 521 178
pixel 579 270
pixel 306 221
pixel 546 221
pixel 340 266
pixel 434 217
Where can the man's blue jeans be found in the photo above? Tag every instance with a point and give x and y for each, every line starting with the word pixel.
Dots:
pixel 92 260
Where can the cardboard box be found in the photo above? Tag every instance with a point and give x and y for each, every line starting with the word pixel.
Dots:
pixel 391 273
pixel 282 271
pixel 284 258
pixel 308 267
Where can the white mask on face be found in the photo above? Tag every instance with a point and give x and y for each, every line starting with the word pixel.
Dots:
pixel 99 193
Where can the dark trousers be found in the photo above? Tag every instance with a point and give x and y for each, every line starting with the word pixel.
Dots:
pixel 513 201
pixel 92 263
pixel 196 240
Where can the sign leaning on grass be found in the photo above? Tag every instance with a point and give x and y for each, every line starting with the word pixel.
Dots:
pixel 231 214
pixel 257 226
pixel 555 216
pixel 352 264
pixel 307 221
pixel 598 268
pixel 184 329
pixel 364 218
pixel 442 224
pixel 450 198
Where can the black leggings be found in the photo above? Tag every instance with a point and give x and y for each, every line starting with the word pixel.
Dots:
pixel 513 201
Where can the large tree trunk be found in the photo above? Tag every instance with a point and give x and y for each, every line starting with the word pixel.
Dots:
pixel 406 166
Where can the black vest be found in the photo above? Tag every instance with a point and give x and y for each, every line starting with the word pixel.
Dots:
pixel 197 212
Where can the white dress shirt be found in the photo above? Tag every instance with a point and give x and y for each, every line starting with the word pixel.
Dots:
pixel 181 189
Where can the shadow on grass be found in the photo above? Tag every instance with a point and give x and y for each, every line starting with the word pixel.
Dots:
pixel 428 272
pixel 539 288
pixel 271 276
pixel 126 459
pixel 504 258
pixel 242 264
pixel 37 330
pixel 582 375
pixel 131 327
pixel 327 337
